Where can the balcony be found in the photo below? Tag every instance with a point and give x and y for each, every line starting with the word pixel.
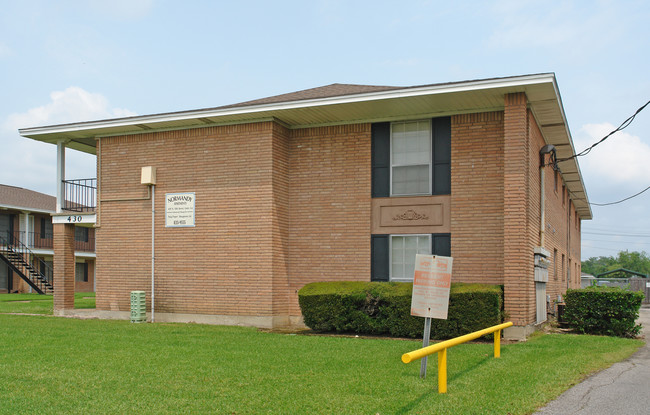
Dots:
pixel 36 240
pixel 79 195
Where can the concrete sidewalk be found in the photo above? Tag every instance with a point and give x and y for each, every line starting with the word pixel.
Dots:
pixel 623 388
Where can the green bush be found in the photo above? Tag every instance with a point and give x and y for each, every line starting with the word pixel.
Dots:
pixel 385 308
pixel 603 310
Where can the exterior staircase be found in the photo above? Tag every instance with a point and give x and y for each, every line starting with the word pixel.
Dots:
pixel 28 266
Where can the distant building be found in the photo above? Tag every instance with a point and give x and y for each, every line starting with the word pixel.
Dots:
pixel 341 182
pixel 26 244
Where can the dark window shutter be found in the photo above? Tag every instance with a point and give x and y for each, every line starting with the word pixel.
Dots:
pixel 441 147
pixel 380 159
pixel 42 227
pixel 441 244
pixel 379 258
pixel 85 272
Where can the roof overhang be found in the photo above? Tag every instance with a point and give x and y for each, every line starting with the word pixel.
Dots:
pixel 25 209
pixel 403 103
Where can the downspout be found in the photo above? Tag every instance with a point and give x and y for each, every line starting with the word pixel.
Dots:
pixel 153 239
pixel 568 236
pixel 98 155
pixel 547 149
pixel 542 218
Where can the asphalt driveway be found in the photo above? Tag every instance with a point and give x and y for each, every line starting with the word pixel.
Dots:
pixel 623 388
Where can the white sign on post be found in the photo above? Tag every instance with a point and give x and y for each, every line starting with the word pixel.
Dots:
pixel 179 210
pixel 430 299
pixel 431 284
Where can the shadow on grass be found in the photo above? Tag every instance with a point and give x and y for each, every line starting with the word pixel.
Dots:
pixel 432 371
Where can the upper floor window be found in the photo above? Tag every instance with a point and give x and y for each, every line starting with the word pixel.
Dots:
pixel 46 228
pixel 410 158
pixel 80 234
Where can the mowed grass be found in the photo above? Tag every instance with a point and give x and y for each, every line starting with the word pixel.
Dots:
pixel 39 304
pixel 51 365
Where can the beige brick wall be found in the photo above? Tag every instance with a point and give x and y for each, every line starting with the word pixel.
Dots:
pixel 477 197
pixel 518 253
pixel 224 264
pixel 329 195
pixel 278 208
pixel 265 226
pixel 63 267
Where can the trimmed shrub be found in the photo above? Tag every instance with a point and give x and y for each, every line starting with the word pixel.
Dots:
pixel 609 311
pixel 385 308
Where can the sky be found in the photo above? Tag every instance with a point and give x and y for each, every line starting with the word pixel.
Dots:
pixel 70 61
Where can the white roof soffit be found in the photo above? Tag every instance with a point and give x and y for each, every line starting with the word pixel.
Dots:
pixel 409 102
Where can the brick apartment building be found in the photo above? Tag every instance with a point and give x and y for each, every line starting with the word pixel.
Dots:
pixel 341 182
pixel 26 240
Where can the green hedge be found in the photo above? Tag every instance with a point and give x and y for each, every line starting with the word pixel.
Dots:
pixel 385 308
pixel 603 310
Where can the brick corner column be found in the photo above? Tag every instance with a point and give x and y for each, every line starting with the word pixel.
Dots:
pixel 64 271
pixel 517 286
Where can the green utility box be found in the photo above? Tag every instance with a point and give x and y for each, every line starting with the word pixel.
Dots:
pixel 138 307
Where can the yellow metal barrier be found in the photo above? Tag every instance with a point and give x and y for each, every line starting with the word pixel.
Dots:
pixel 441 349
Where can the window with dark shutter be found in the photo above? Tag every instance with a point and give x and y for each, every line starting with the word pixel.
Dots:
pixel 380 159
pixel 405 162
pixel 379 258
pixel 441 244
pixel 441 148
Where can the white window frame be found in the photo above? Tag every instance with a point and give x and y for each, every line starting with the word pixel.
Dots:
pixel 390 254
pixel 392 165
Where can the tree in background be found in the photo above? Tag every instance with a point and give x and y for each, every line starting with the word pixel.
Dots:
pixel 633 261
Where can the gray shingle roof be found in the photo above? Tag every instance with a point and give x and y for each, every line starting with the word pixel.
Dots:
pixel 327 91
pixel 12 196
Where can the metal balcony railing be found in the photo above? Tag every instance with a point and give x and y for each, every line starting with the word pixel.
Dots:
pixel 79 195
pixel 45 241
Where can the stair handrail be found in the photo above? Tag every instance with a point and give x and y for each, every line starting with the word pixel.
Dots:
pixel 38 264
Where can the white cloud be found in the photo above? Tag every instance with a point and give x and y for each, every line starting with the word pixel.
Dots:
pixel 621 160
pixel 74 104
pixel 32 164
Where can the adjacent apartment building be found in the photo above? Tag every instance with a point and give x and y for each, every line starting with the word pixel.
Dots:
pixel 26 244
pixel 223 214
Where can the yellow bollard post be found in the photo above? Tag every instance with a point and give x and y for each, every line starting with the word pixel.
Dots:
pixel 442 371
pixel 497 343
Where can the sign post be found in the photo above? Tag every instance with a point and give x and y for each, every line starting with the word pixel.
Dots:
pixel 430 299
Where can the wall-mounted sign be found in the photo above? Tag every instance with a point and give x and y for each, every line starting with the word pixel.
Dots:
pixel 431 285
pixel 179 210
pixel 78 218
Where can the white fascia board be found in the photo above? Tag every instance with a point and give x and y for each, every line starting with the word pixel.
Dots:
pixel 347 99
pixel 25 209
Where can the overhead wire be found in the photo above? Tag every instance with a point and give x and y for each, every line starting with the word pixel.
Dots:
pixel 620 201
pixel 623 126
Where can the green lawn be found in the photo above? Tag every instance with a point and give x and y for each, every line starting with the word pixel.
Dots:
pixel 51 365
pixel 39 304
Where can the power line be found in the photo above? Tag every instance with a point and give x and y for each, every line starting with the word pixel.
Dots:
pixel 604 249
pixel 620 201
pixel 632 235
pixel 623 126
pixel 591 227
pixel 615 241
